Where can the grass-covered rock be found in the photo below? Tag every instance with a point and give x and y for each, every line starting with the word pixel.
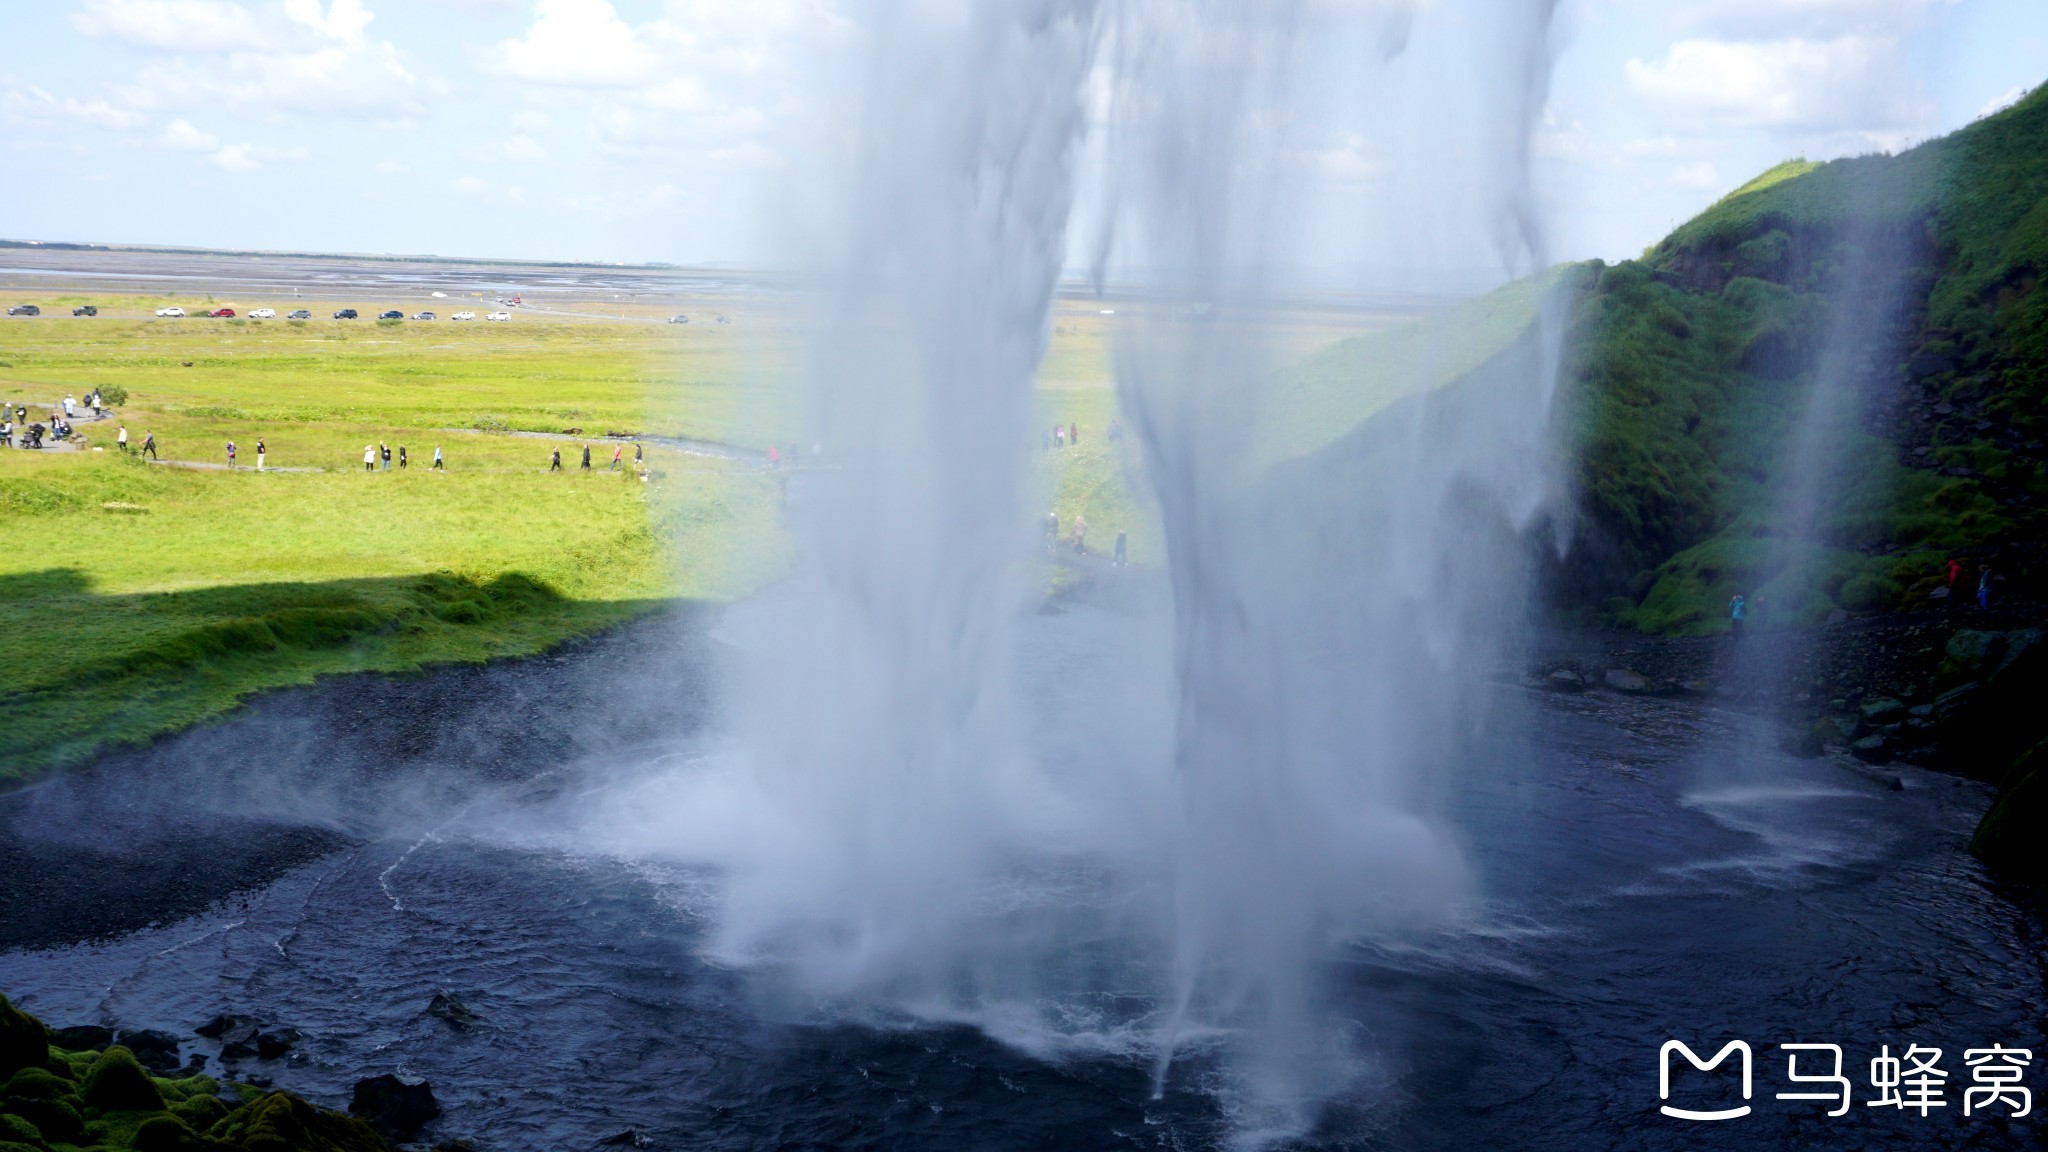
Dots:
pixel 59 1100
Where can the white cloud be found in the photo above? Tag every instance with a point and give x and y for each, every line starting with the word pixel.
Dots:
pixel 1822 19
pixel 1851 83
pixel 2002 101
pixel 181 136
pixel 238 158
pixel 20 100
pixel 389 168
pixel 521 148
pixel 222 26
pixel 531 121
pixel 1696 177
pixel 579 43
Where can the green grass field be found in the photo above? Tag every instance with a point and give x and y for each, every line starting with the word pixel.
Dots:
pixel 146 597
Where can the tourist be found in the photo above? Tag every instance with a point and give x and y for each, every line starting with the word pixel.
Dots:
pixel 555 460
pixel 1984 587
pixel 121 439
pixel 774 457
pixel 1120 560
pixel 437 459
pixel 586 457
pixel 1955 573
pixel 369 458
pixel 1737 609
pixel 260 450
pixel 636 457
pixel 618 457
pixel 6 431
pixel 94 400
pixel 384 450
pixel 1073 433
pixel 70 407
pixel 1052 529
pixel 1059 435
pixel 149 445
pixel 401 457
pixel 1080 534
pixel 231 455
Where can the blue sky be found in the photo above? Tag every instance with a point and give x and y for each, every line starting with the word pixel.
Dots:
pixel 670 129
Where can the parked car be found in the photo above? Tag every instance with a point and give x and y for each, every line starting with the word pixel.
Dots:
pixel 222 313
pixel 299 314
pixel 423 316
pixel 86 310
pixel 173 312
pixel 463 316
pixel 24 310
pixel 391 314
pixel 345 314
pixel 679 319
pixel 725 319
pixel 499 316
pixel 263 314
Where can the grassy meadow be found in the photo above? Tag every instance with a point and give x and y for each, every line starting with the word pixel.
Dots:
pixel 153 596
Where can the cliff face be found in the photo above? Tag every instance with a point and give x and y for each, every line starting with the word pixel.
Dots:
pixel 1697 380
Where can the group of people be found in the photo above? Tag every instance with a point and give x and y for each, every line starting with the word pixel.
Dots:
pixel 14 421
pixel 1950 591
pixel 618 458
pixel 1062 435
pixel 373 455
pixel 1078 540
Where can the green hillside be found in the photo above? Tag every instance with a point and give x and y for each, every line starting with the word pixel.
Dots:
pixel 1914 279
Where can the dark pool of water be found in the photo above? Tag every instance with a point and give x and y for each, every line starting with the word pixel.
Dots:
pixel 1650 874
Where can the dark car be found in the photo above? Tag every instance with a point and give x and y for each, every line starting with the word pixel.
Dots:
pixel 86 310
pixel 24 310
pixel 345 314
pixel 394 314
pixel 299 314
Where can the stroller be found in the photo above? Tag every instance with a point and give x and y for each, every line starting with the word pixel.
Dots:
pixel 33 438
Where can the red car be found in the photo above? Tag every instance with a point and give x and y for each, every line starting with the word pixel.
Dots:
pixel 222 312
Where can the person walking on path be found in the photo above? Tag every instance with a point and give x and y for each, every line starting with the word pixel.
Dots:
pixel 1059 436
pixel 369 458
pixel 401 457
pixel 1080 534
pixel 618 457
pixel 1052 530
pixel 231 455
pixel 94 400
pixel 1121 559
pixel 586 457
pixel 1984 587
pixel 260 451
pixel 1074 434
pixel 437 459
pixel 384 450
pixel 1955 573
pixel 149 445
pixel 121 439
pixel 555 460
pixel 70 407
pixel 1737 609
pixel 636 456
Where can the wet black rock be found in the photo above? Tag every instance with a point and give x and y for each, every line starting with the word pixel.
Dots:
pixel 1872 749
pixel 82 1037
pixel 1883 710
pixel 156 1051
pixel 394 1107
pixel 453 1012
pixel 239 1042
pixel 217 1027
pixel 271 1045
pixel 630 1138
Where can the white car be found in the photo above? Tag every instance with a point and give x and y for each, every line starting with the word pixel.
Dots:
pixel 463 316
pixel 170 311
pixel 263 314
pixel 499 316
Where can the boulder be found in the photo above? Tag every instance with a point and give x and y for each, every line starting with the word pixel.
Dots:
pixel 217 1027
pixel 272 1045
pixel 1624 680
pixel 1883 710
pixel 239 1042
pixel 1972 651
pixel 57 1120
pixel 82 1038
pixel 24 1042
pixel 156 1051
pixel 282 1121
pixel 395 1107
pixel 446 1008
pixel 1565 680
pixel 1872 749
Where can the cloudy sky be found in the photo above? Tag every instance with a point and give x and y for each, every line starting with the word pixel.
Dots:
pixel 666 130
